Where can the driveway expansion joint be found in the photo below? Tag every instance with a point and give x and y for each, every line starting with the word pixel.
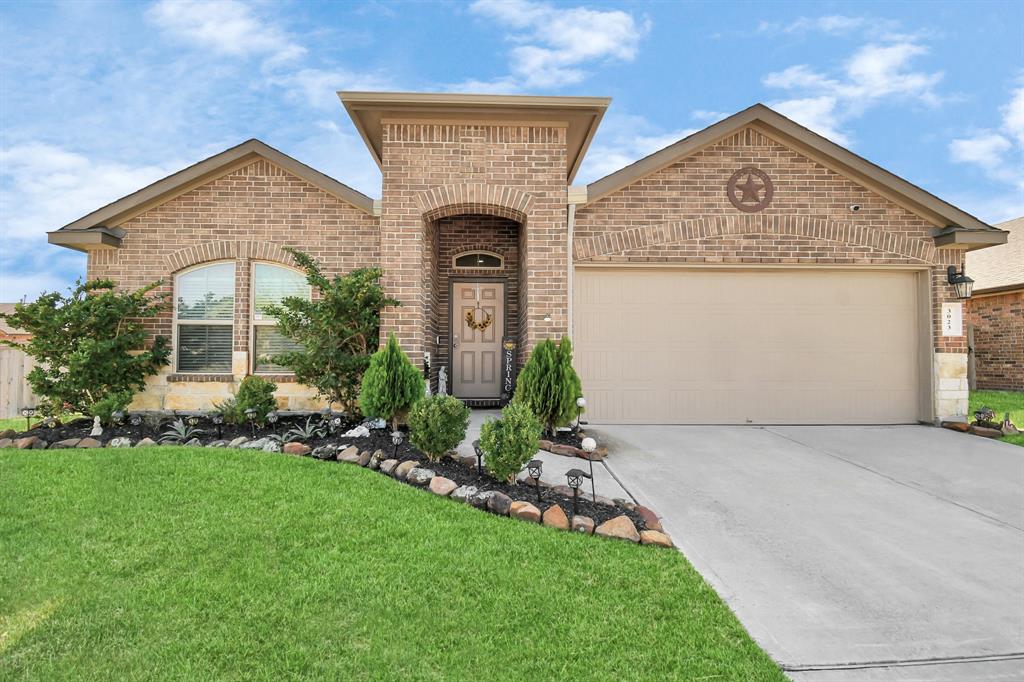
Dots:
pixel 903 663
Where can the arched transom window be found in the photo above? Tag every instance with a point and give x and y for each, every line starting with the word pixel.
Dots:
pixel 204 311
pixel 478 260
pixel 271 284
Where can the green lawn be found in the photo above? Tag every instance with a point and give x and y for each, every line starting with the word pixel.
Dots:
pixel 181 563
pixel 1002 402
pixel 16 423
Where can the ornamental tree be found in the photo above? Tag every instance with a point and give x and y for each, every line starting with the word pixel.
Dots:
pixel 336 330
pixel 91 348
pixel 548 385
pixel 391 385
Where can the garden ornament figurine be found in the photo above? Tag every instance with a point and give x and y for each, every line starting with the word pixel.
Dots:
pixel 97 430
pixel 442 381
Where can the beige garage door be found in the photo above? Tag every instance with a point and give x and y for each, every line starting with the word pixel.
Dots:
pixel 718 346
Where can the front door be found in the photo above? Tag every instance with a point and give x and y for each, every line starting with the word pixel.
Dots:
pixel 477 328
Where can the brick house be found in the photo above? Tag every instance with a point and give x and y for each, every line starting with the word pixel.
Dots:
pixel 753 272
pixel 995 313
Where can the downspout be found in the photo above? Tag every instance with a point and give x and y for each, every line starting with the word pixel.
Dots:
pixel 569 279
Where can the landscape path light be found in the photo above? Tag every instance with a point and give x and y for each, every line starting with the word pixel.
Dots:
pixel 574 477
pixel 135 420
pixel 581 403
pixel 396 440
pixel 28 413
pixel 250 414
pixel 534 469
pixel 589 445
pixel 117 416
pixel 272 418
pixel 218 421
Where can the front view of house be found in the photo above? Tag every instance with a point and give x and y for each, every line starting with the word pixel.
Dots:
pixel 751 273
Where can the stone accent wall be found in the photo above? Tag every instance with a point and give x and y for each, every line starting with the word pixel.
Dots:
pixel 245 215
pixel 434 171
pixel 998 322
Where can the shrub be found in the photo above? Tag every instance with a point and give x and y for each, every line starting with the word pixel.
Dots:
pixel 391 385
pixel 336 330
pixel 548 385
pixel 510 442
pixel 111 403
pixel 256 393
pixel 437 424
pixel 229 410
pixel 89 344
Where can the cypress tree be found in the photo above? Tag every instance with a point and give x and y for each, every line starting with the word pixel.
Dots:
pixel 548 385
pixel 391 385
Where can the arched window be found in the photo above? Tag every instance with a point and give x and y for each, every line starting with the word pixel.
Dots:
pixel 204 310
pixel 271 284
pixel 478 260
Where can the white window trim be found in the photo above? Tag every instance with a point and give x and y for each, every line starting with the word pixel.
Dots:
pixel 474 252
pixel 175 322
pixel 253 322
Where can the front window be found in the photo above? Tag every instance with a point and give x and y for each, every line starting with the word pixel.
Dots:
pixel 271 285
pixel 478 260
pixel 204 310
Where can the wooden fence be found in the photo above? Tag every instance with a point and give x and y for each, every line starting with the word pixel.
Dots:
pixel 14 391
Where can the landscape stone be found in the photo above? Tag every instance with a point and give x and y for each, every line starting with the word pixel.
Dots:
pixel 324 452
pixel 364 458
pixel 6 442
pixel 349 454
pixel 145 443
pixel 563 490
pixel 26 442
pixel 120 442
pixel 481 498
pixel 271 446
pixel 388 466
pixel 298 449
pixel 620 527
pixel 217 444
pixel 439 485
pixel 525 511
pixel 1009 428
pixel 468 461
pixel 565 450
pixel 254 444
pixel 651 520
pixel 583 524
pixel 194 443
pixel 544 444
pixel 654 537
pixel 418 476
pixel 463 493
pixel 499 503
pixel 554 517
pixel 89 443
pixel 403 469
pixel 238 442
pixel 64 444
pixel 8 434
pixel 376 458
pixel 956 426
pixel 986 432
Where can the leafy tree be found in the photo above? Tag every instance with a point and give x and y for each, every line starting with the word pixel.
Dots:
pixel 510 442
pixel 548 385
pixel 90 344
pixel 437 424
pixel 336 330
pixel 391 385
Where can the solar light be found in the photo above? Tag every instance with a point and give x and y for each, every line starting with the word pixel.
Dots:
pixel 581 403
pixel 135 420
pixel 50 423
pixel 117 416
pixel 962 284
pixel 28 413
pixel 396 440
pixel 218 421
pixel 335 424
pixel 272 417
pixel 589 445
pixel 192 420
pixel 574 477
pixel 533 469
pixel 250 414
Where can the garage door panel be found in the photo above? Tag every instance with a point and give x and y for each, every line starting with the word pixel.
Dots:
pixel 722 346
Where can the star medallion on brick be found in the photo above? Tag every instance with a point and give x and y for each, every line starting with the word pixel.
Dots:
pixel 750 189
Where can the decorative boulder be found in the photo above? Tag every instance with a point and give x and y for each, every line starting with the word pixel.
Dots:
pixel 65 444
pixel 620 527
pixel 6 442
pixel 986 432
pixel 583 524
pixel 956 426
pixel 357 432
pixel 403 469
pixel 271 446
pixel 26 443
pixel 468 461
pixel 253 444
pixel 375 459
pixel 480 499
pixel 298 449
pixel 554 517
pixel 499 503
pixel 196 443
pixel 120 442
pixel 324 452
pixel 439 485
pixel 463 493
pixel 525 511
pixel 653 537
pixel 145 443
pixel 8 434
pixel 388 466
pixel 349 454
pixel 238 442
pixel 418 476
pixel 89 443
pixel 364 458
pixel 651 520
pixel 217 444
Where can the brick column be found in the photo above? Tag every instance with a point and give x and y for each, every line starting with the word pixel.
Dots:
pixel 949 368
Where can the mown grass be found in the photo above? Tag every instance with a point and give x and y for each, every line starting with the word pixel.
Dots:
pixel 1002 402
pixel 182 563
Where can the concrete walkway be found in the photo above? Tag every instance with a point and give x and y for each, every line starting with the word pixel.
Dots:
pixel 848 553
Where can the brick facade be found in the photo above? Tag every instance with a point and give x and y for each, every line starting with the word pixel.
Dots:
pixel 998 328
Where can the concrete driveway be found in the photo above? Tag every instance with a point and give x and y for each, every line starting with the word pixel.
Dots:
pixel 849 553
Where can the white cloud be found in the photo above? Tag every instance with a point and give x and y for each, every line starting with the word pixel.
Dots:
pixel 226 27
pixel 876 73
pixel 623 139
pixel 986 149
pixel 836 24
pixel 554 44
pixel 999 153
pixel 1013 116
pixel 318 87
pixel 709 116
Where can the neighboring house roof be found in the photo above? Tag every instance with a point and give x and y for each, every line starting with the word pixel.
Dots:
pixel 94 230
pixel 582 115
pixel 5 328
pixel 955 225
pixel 1000 268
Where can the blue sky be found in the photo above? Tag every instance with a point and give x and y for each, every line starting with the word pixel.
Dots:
pixel 98 99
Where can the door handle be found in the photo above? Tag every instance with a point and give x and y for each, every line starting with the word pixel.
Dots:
pixel 455 342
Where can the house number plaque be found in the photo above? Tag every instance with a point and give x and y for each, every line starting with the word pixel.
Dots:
pixel 952 319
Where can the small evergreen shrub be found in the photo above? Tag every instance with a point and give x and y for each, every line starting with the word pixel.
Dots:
pixel 391 385
pixel 510 442
pixel 258 393
pixel 548 385
pixel 229 410
pixel 117 401
pixel 437 424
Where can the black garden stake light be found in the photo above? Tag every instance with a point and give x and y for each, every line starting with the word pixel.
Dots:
pixel 396 440
pixel 117 416
pixel 479 458
pixel 272 418
pixel 962 284
pixel 192 420
pixel 218 421
pixel 28 413
pixel 135 420
pixel 250 414
pixel 589 445
pixel 533 469
pixel 575 477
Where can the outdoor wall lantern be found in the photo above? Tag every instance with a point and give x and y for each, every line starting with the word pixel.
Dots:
pixel 396 440
pixel 963 284
pixel 574 477
pixel 534 469
pixel 589 445
pixel 250 414
pixel 28 413
pixel 218 421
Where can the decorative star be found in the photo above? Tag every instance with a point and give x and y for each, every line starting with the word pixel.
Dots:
pixel 750 190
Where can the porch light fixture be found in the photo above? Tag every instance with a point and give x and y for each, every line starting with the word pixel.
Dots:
pixel 574 477
pixel 534 469
pixel 396 440
pixel 589 445
pixel 28 413
pixel 962 284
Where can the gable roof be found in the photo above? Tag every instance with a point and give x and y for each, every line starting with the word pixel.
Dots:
pixel 940 213
pixel 1001 267
pixel 93 231
pixel 581 115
